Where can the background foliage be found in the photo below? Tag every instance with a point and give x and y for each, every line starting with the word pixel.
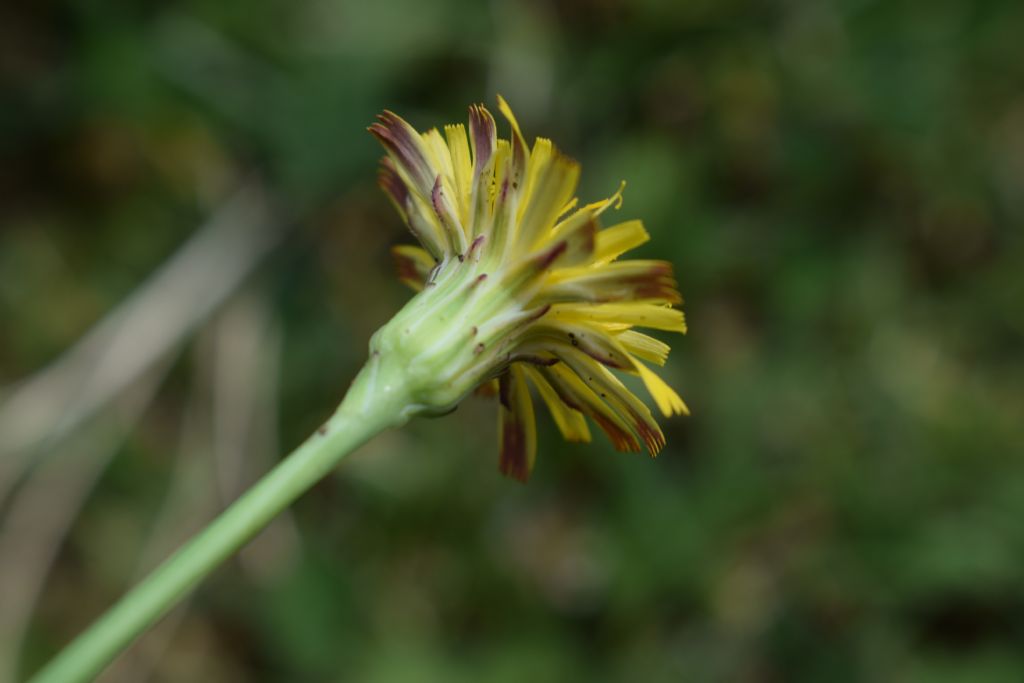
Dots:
pixel 841 188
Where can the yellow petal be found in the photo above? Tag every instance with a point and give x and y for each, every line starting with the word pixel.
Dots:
pixel 643 346
pixel 593 340
pixel 614 241
pixel 626 314
pixel 483 142
pixel 462 167
pixel 517 426
pixel 665 396
pixel 579 237
pixel 649 281
pixel 570 422
pixel 444 197
pixel 497 215
pixel 424 226
pixel 413 265
pixel 519 152
pixel 575 393
pixel 551 180
pixel 618 397
pixel 438 154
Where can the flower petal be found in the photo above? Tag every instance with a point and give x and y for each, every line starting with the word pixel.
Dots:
pixel 580 236
pixel 517 427
pixel 575 393
pixel 483 140
pixel 519 278
pixel 602 382
pixel 551 180
pixel 444 198
pixel 643 346
pixel 625 314
pixel 501 210
pixel 652 281
pixel 413 265
pixel 420 219
pixel 482 135
pixel 407 148
pixel 446 213
pixel 592 340
pixel 665 396
pixel 462 168
pixel 519 151
pixel 570 421
pixel 618 239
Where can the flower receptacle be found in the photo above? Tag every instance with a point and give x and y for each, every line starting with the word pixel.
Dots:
pixel 458 332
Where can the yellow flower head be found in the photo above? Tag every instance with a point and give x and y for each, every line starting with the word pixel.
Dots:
pixel 517 285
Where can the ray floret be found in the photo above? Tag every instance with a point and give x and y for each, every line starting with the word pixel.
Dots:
pixel 519 288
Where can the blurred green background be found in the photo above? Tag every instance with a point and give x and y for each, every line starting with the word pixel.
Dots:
pixel 840 185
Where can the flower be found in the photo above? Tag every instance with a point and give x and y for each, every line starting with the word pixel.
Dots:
pixel 518 286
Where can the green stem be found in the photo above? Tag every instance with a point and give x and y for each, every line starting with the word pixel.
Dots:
pixel 376 401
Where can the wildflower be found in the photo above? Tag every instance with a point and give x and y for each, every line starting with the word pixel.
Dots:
pixel 519 286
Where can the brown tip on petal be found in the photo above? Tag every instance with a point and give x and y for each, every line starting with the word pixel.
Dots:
pixel 622 441
pixel 658 283
pixel 481 129
pixel 512 462
pixel 406 267
pixel 398 139
pixel 389 181
pixel 653 438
